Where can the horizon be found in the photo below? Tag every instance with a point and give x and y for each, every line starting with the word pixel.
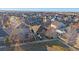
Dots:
pixel 41 9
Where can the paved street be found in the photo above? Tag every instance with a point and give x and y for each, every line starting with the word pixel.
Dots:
pixel 36 46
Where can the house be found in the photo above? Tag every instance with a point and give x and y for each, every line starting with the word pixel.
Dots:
pixel 3 34
pixel 57 24
pixel 77 41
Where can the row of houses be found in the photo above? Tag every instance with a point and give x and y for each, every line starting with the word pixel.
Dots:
pixel 51 24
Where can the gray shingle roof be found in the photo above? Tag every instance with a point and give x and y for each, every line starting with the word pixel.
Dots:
pixel 2 33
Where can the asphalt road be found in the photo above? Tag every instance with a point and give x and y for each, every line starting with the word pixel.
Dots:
pixel 35 46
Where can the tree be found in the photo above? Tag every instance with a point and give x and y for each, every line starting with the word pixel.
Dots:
pixel 7 41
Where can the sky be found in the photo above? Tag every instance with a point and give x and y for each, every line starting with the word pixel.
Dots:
pixel 44 9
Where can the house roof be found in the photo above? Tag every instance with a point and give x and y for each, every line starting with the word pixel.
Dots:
pixel 2 32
